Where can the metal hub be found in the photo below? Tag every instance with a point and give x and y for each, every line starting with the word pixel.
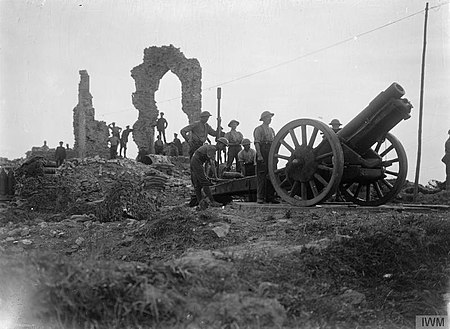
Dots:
pixel 302 165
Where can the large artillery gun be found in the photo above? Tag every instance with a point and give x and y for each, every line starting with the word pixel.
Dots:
pixel 363 162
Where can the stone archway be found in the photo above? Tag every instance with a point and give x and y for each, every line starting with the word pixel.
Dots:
pixel 157 62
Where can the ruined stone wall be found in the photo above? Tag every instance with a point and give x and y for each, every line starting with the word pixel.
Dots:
pixel 157 62
pixel 91 136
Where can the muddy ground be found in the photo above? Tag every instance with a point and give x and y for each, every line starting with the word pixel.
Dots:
pixel 240 266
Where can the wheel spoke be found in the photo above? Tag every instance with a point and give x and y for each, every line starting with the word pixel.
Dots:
pixel 378 190
pixel 377 148
pixel 323 156
pixel 368 192
pixel 323 167
pixel 320 179
pixel 303 191
pixel 294 188
pixel 313 137
pixel 284 182
pixel 391 173
pixel 386 151
pixel 304 137
pixel 294 138
pixel 313 186
pixel 280 156
pixel 358 189
pixel 286 145
pixel 385 182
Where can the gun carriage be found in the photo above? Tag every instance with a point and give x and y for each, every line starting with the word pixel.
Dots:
pixel 364 162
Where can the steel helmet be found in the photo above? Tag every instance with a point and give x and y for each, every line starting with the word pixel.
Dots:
pixel 233 121
pixel 265 114
pixel 335 122
pixel 223 140
pixel 246 141
pixel 205 114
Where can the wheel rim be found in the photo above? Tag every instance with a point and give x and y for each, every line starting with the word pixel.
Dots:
pixel 305 162
pixel 380 191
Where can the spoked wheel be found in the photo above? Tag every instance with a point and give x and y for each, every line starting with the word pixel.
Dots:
pixel 306 162
pixel 394 166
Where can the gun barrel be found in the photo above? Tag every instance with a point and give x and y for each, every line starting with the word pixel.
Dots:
pixel 382 114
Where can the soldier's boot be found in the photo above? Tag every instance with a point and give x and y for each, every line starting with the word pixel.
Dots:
pixel 210 197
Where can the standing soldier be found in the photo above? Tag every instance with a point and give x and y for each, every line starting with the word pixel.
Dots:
pixel 264 136
pixel 204 154
pixel 161 126
pixel 177 143
pixel 198 132
pixel 446 160
pixel 114 143
pixel 234 138
pixel 159 145
pixel 60 154
pixel 124 141
pixel 115 130
pixel 247 158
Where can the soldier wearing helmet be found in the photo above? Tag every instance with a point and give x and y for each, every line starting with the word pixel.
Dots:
pixel 247 158
pixel 335 125
pixel 264 136
pixel 234 139
pixel 200 181
pixel 196 133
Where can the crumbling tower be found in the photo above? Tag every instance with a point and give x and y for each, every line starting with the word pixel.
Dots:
pixel 157 62
pixel 91 136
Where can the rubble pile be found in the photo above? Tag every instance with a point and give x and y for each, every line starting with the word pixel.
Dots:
pixel 109 189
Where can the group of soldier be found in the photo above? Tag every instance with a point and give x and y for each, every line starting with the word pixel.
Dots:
pixel 118 137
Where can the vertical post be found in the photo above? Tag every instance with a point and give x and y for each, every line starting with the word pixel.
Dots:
pixel 219 121
pixel 419 134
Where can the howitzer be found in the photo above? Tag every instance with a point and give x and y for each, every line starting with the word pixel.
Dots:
pixel 363 162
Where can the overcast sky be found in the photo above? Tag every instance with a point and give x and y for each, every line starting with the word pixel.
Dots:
pixel 45 43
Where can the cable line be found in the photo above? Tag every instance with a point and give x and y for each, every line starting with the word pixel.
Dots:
pixel 336 44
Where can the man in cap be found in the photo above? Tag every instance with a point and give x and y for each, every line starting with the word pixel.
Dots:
pixel 115 130
pixel 335 125
pixel 234 139
pixel 264 136
pixel 159 145
pixel 247 158
pixel 60 154
pixel 161 125
pixel 198 132
pixel 205 153
pixel 124 141
pixel 176 141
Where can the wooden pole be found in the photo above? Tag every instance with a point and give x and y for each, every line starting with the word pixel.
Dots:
pixel 422 78
pixel 219 121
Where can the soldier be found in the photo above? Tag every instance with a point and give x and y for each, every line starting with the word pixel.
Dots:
pixel 247 158
pixel 335 125
pixel 115 130
pixel 234 147
pixel 203 154
pixel 124 141
pixel 114 143
pixel 45 147
pixel 161 126
pixel 198 132
pixel 446 160
pixel 264 136
pixel 177 143
pixel 60 154
pixel 159 145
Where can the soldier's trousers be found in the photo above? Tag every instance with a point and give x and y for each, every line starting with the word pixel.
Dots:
pixel 264 188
